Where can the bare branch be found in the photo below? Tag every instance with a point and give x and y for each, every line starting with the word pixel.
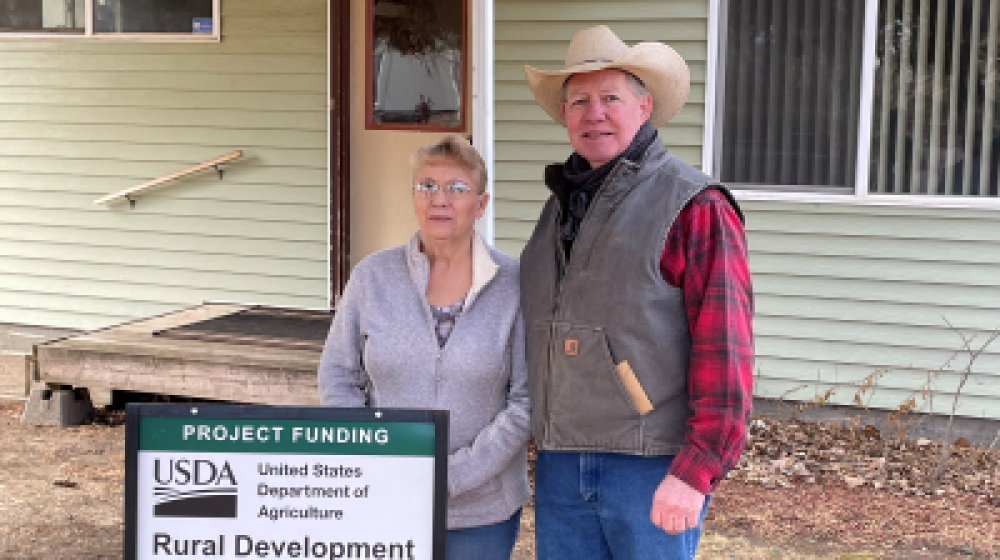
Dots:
pixel 950 432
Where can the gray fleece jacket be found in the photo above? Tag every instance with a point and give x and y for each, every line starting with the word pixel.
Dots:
pixel 382 337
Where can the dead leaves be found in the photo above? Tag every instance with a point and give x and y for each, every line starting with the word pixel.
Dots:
pixel 782 453
pixel 854 487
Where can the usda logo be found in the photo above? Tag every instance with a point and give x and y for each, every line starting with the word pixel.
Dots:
pixel 194 488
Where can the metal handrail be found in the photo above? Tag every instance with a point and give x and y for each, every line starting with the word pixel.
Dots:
pixel 127 193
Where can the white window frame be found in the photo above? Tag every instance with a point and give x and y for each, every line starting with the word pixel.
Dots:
pixel 90 35
pixel 715 67
pixel 483 133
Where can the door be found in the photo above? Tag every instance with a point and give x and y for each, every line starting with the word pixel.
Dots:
pixel 339 130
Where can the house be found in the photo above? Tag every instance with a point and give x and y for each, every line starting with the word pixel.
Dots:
pixel 860 137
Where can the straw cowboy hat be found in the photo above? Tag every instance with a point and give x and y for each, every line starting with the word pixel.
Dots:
pixel 661 69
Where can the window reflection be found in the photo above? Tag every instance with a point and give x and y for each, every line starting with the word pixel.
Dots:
pixel 792 84
pixel 50 16
pixel 934 125
pixel 416 64
pixel 153 16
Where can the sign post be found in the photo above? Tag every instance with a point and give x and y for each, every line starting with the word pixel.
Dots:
pixel 237 482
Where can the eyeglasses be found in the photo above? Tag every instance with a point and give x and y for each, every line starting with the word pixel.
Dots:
pixel 452 189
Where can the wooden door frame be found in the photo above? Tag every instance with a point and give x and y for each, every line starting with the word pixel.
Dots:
pixel 340 145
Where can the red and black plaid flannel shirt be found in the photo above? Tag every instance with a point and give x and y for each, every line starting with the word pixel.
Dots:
pixel 705 255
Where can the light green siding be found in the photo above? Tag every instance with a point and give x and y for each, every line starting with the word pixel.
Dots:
pixel 537 33
pixel 79 120
pixel 842 291
pixel 845 291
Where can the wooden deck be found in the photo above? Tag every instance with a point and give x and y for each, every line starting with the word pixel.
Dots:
pixel 130 357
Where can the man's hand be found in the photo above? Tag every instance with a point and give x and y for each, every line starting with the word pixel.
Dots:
pixel 676 506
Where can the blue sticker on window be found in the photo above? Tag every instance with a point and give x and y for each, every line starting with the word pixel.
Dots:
pixel 201 25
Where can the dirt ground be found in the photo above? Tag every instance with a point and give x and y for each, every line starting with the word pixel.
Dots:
pixel 61 497
pixel 60 489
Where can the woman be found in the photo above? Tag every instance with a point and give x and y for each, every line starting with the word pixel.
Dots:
pixel 435 324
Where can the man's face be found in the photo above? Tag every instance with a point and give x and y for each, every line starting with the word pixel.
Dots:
pixel 603 114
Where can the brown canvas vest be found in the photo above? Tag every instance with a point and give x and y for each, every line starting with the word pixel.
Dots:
pixel 607 336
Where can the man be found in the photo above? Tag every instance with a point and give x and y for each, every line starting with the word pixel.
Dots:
pixel 638 305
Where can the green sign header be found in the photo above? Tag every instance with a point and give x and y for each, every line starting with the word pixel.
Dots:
pixel 229 435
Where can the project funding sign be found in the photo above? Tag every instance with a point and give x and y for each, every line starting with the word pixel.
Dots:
pixel 239 482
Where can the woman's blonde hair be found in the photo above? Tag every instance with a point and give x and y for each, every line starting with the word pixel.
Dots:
pixel 456 150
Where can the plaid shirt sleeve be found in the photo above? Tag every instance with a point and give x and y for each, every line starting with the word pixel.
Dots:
pixel 705 255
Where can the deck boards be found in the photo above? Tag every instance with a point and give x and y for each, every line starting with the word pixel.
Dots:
pixel 130 357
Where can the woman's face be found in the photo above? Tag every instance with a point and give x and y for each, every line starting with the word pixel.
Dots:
pixel 442 213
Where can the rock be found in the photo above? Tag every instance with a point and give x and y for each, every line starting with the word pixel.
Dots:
pixel 854 481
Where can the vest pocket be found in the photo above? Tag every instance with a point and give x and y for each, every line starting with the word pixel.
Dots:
pixel 587 399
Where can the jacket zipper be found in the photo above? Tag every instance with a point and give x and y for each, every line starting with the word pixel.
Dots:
pixel 439 356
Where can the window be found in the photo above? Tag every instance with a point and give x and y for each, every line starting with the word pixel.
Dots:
pixel 173 19
pixel 794 105
pixel 42 16
pixel 934 117
pixel 152 16
pixel 416 69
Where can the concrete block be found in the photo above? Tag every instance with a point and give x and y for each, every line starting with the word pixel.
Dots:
pixel 61 407
pixel 100 396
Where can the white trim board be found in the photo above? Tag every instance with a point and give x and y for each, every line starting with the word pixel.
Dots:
pixel 482 104
pixel 915 201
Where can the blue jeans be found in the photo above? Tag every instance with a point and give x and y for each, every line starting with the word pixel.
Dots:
pixel 488 542
pixel 591 506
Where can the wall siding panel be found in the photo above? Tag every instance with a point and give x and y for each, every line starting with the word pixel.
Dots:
pixel 83 119
pixel 843 292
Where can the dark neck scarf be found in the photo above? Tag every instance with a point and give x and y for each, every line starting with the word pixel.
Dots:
pixel 575 183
